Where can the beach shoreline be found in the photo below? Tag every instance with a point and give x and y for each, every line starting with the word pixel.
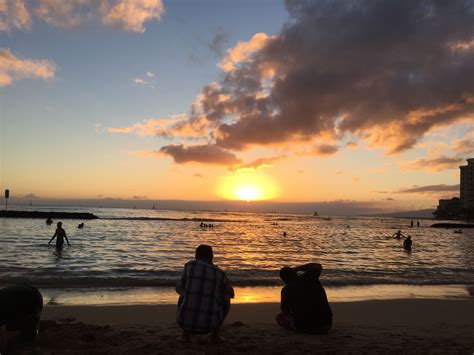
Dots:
pixel 378 326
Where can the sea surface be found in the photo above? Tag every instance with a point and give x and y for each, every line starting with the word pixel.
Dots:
pixel 129 248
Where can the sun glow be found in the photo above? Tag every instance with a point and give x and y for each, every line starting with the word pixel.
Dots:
pixel 247 187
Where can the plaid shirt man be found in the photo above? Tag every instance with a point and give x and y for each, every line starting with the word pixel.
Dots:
pixel 203 301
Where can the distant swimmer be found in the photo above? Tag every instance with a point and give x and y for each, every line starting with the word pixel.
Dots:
pixel 80 226
pixel 284 234
pixel 411 224
pixel 407 243
pixel 60 235
pixel 398 235
pixel 49 221
pixel 418 224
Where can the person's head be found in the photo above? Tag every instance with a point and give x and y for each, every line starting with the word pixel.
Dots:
pixel 60 224
pixel 408 237
pixel 204 252
pixel 288 275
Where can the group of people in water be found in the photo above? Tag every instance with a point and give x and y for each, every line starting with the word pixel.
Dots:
pixel 206 225
pixel 407 243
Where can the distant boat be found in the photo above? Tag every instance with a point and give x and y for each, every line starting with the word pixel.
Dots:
pixel 315 214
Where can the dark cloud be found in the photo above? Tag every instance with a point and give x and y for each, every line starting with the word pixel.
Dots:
pixel 385 70
pixel 258 163
pixel 326 149
pixel 207 154
pixel 197 175
pixel 389 199
pixel 435 164
pixel 30 195
pixel 219 42
pixel 430 189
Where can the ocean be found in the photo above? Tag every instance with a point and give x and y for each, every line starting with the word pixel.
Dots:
pixel 127 250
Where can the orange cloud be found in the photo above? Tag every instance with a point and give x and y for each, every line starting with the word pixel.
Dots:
pixel 242 51
pixel 129 15
pixel 14 68
pixel 14 14
pixel 434 164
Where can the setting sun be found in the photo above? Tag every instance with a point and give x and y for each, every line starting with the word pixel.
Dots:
pixel 248 186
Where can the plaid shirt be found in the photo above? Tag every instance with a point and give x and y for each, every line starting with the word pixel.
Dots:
pixel 200 306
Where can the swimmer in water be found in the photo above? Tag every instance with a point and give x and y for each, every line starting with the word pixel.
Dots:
pixel 398 235
pixel 407 243
pixel 60 235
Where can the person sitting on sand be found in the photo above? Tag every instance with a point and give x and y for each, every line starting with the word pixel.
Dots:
pixel 204 296
pixel 398 235
pixel 59 234
pixel 20 310
pixel 304 304
pixel 407 243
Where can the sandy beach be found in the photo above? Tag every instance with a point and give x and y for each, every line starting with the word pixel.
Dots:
pixel 391 326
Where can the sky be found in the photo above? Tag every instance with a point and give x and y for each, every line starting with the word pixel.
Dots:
pixel 353 103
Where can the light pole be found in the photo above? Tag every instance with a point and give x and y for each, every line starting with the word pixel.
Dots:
pixel 7 195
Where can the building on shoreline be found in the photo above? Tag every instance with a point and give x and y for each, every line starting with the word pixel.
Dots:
pixel 448 208
pixel 463 206
pixel 467 185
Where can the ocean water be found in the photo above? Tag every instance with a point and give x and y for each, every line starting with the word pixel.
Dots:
pixel 148 248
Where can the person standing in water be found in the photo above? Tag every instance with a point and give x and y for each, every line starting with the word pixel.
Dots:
pixel 398 235
pixel 407 243
pixel 60 235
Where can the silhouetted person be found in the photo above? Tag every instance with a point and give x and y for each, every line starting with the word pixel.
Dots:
pixel 49 221
pixel 60 235
pixel 407 243
pixel 411 224
pixel 304 304
pixel 204 296
pixel 80 226
pixel 398 235
pixel 20 310
pixel 284 234
pixel 418 224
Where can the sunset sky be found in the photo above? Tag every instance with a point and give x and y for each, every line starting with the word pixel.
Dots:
pixel 295 101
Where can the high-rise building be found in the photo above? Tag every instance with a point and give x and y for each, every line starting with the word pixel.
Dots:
pixel 467 185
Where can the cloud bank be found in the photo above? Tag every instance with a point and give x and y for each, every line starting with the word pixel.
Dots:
pixel 386 72
pixel 431 189
pixel 128 15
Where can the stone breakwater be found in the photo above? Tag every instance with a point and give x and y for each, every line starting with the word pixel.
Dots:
pixel 45 215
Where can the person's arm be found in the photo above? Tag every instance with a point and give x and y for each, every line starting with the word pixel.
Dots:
pixel 309 267
pixel 54 236
pixel 67 240
pixel 228 289
pixel 284 303
pixel 181 284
